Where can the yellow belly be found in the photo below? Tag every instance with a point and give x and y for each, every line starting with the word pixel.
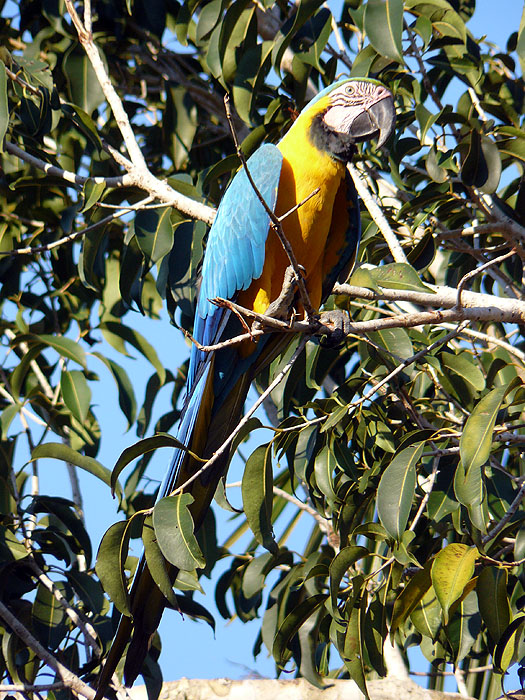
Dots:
pixel 304 170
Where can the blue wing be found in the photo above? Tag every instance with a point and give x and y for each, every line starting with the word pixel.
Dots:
pixel 236 246
pixel 234 257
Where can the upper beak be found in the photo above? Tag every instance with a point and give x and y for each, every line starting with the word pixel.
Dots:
pixel 377 121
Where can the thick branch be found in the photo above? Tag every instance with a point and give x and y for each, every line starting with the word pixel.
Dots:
pixel 487 307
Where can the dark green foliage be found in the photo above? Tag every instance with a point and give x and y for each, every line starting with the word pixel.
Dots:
pixel 406 491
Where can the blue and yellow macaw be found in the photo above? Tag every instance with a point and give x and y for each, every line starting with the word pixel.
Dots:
pixel 245 262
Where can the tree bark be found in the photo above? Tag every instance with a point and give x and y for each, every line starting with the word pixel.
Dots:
pixel 300 689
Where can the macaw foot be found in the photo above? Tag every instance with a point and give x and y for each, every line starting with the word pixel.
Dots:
pixel 336 324
pixel 282 307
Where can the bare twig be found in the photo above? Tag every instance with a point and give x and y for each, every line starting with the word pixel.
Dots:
pixel 474 273
pixel 507 517
pixel 377 214
pixel 86 628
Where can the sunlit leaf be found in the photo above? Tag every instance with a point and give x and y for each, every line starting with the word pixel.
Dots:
pixel 384 26
pixel 451 571
pixel 173 525
pixel 396 490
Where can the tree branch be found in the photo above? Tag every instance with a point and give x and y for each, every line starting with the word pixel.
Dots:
pixel 69 679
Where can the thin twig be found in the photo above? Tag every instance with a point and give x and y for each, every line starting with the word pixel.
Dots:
pixel 70 238
pixel 507 517
pixel 68 677
pixel 377 214
pixel 474 273
pixel 86 628
pixel 278 379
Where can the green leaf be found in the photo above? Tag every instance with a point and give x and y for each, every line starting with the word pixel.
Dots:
pixel 384 27
pixel 474 169
pixel 395 340
pixel 493 603
pixel 339 565
pixel 305 9
pixel 65 347
pixel 399 276
pixel 142 447
pixel 396 490
pixel 476 439
pixel 507 648
pixel 111 558
pixel 134 338
pixel 83 84
pixel 434 169
pixel 464 365
pixel 48 616
pixel 4 106
pixel 173 525
pixel 291 624
pixel 426 616
pixel 257 496
pixel 451 571
pixel 156 562
pixel 410 597
pixel 126 394
pixel 56 450
pixel 353 645
pixel 259 568
pixel 154 232
pixel 93 192
pixel 76 393
pixel 324 467
pixel 425 119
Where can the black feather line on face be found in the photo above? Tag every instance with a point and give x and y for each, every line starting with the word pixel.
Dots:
pixel 339 145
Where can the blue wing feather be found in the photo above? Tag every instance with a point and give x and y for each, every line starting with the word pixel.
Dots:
pixel 234 257
pixel 236 246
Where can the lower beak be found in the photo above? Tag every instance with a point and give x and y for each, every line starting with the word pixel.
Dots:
pixel 377 121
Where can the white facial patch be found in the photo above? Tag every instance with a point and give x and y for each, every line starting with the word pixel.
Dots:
pixel 340 117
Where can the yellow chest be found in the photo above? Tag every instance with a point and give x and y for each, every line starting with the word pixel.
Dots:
pixel 305 169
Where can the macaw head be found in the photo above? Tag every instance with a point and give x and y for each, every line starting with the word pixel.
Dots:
pixel 350 111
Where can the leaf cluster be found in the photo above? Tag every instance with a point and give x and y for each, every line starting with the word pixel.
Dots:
pixel 373 512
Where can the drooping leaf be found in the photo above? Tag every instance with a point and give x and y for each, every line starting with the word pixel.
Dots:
pixel 76 393
pixel 156 562
pixel 476 438
pixel 451 571
pixel 143 447
pixel 506 649
pixel 257 496
pixel 154 233
pixel 396 490
pixel 173 525
pixel 493 602
pixel 291 624
pixel 111 557
pixel 339 566
pixel 56 450
pixel 4 107
pixel 384 26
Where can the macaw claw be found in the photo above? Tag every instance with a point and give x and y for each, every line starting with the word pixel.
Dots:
pixel 335 326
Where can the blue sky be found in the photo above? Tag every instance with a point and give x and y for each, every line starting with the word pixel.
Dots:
pixel 190 649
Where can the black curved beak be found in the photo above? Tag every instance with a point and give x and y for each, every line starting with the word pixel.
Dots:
pixel 377 121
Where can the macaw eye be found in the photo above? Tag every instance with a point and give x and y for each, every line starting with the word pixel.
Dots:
pixel 350 89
